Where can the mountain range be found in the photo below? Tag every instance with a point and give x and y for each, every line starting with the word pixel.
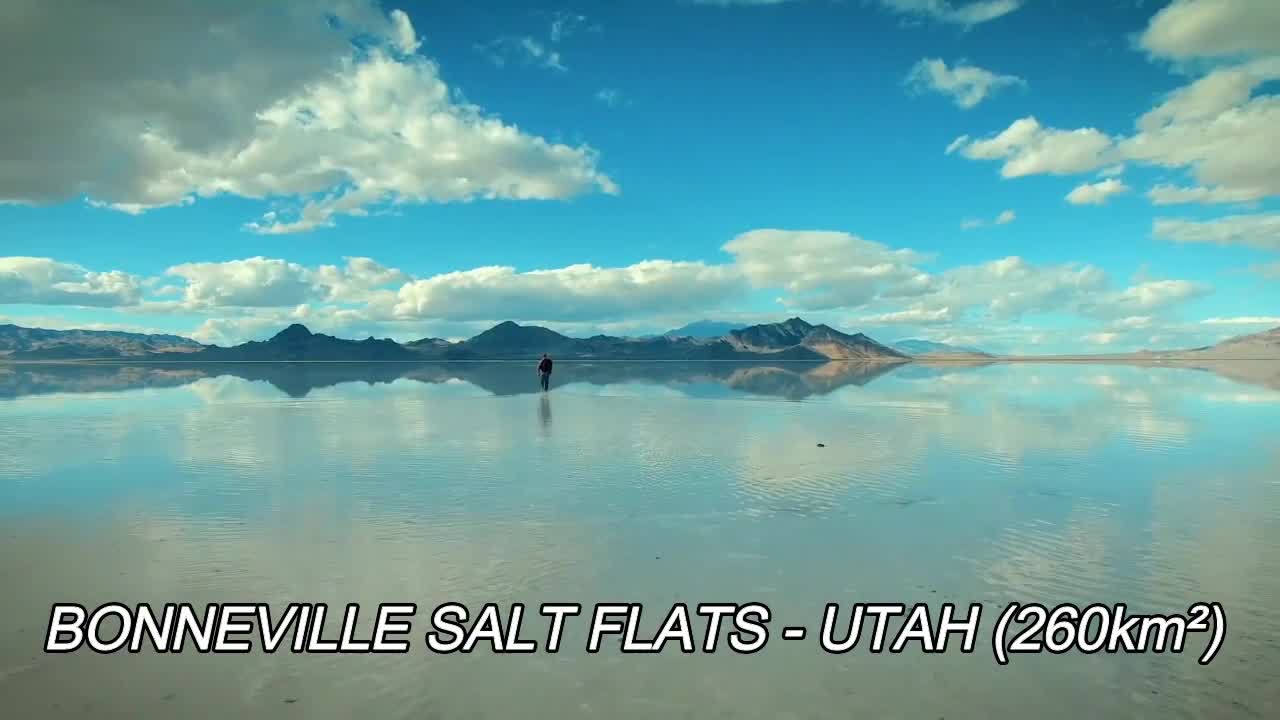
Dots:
pixel 790 340
pixel 793 381
pixel 18 342
pixel 704 329
pixel 915 346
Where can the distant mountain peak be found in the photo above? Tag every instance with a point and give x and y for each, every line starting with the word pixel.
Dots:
pixel 295 331
pixel 18 342
pixel 704 329
pixel 920 346
pixel 821 339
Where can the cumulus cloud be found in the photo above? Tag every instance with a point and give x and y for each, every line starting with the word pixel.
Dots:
pixel 1174 195
pixel 1096 193
pixel 1134 322
pixel 1214 126
pixel 44 281
pixel 1246 320
pixel 153 110
pixel 261 323
pixel 1145 297
pixel 917 315
pixel 574 293
pixel 1188 29
pixel 967 85
pixel 1101 338
pixel 964 13
pixel 1011 287
pixel 405 37
pixel 1211 127
pixel 253 282
pixel 824 270
pixel 357 280
pixel 260 282
pixel 1028 148
pixel 1261 230
pixel 818 272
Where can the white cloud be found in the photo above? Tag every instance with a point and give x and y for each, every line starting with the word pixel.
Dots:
pixel 1096 193
pixel 574 293
pixel 1101 338
pixel 1028 148
pixel 535 51
pixel 965 13
pixel 1247 320
pixel 53 322
pixel 406 39
pixel 1004 218
pixel 539 54
pixel 825 270
pixel 260 282
pixel 564 24
pixel 44 281
pixel 610 96
pixel 273 105
pixel 818 272
pixel 1188 29
pixel 262 323
pixel 1134 322
pixel 1268 270
pixel 1212 127
pixel 357 280
pixel 1145 297
pixel 1008 288
pixel 1260 231
pixel 1174 195
pixel 917 315
pixel 253 282
pixel 968 85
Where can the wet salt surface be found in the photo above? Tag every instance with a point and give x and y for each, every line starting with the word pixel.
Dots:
pixel 1155 487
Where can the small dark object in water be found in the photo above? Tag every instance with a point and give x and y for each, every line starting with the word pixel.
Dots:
pixel 821 445
pixel 290 701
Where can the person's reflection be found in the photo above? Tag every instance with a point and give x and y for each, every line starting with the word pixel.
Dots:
pixel 544 413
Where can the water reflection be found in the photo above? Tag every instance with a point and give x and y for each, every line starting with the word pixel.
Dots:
pixel 792 381
pixel 544 413
pixel 654 483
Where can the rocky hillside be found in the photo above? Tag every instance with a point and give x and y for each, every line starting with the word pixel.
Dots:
pixel 22 343
pixel 820 339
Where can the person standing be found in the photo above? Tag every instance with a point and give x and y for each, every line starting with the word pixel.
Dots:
pixel 544 372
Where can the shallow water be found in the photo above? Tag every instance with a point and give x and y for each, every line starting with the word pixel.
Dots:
pixel 655 483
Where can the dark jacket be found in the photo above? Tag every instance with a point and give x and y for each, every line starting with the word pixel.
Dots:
pixel 545 365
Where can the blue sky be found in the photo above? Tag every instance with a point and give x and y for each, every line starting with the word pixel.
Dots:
pixel 1032 176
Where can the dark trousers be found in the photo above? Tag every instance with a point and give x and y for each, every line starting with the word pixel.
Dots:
pixel 546 380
